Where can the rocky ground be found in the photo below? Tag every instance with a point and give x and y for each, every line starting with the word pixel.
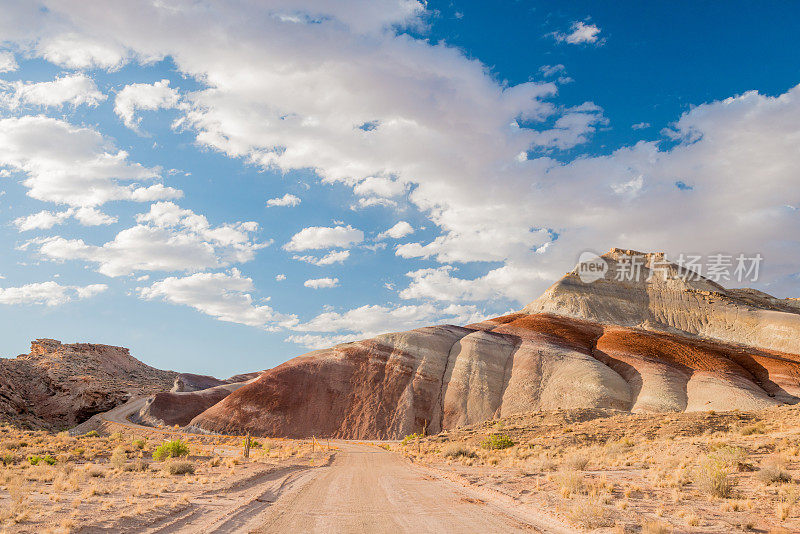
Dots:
pixel 606 471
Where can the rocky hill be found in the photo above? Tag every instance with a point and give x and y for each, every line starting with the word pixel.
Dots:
pixel 649 345
pixel 59 385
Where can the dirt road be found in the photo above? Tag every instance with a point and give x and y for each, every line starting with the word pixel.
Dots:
pixel 363 489
pixel 367 489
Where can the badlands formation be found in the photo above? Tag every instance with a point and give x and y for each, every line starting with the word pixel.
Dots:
pixel 58 385
pixel 662 343
pixel 657 344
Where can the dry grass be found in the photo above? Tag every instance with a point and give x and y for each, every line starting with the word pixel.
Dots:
pixel 99 480
pixel 692 472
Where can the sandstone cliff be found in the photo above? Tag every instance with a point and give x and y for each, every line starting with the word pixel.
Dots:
pixel 59 385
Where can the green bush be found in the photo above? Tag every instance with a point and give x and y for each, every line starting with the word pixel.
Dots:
pixel 497 441
pixel 47 459
pixel 8 459
pixel 411 437
pixel 139 443
pixel 253 443
pixel 91 434
pixel 171 449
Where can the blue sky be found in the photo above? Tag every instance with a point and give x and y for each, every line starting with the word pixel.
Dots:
pixel 497 140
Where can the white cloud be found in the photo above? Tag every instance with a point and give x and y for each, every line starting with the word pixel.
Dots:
pixel 7 62
pixel 450 131
pixel 319 237
pixel 286 200
pixel 337 256
pixel 369 321
pixel 73 89
pixel 552 70
pixel 640 125
pixel 48 293
pixel 380 187
pixel 280 277
pixel 142 96
pixel 167 238
pixel 318 283
pixel 579 33
pixel 71 165
pixel 93 217
pixel 44 220
pixel 399 230
pixel 224 296
pixel 77 51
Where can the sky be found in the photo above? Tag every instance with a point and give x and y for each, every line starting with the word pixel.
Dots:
pixel 221 188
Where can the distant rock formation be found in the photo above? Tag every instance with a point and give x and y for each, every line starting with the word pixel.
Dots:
pixel 665 299
pixel 59 385
pixel 652 345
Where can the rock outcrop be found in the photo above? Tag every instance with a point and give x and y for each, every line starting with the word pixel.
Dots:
pixel 647 346
pixel 668 298
pixel 59 385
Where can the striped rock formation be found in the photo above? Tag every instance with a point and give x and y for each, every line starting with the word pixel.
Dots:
pixel 647 346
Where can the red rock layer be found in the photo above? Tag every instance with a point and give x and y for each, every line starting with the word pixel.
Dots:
pixel 446 376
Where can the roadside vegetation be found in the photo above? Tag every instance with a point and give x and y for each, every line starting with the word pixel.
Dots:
pixel 59 483
pixel 618 472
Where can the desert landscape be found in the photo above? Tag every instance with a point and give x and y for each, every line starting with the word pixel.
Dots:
pixel 659 405
pixel 399 266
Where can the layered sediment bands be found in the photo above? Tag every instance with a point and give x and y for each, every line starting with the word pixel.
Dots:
pixel 443 377
pixel 663 298
pixel 667 341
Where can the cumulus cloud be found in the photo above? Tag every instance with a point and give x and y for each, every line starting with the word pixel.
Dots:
pixel 319 237
pixel 280 277
pixel 318 283
pixel 142 96
pixel 337 256
pixel 167 238
pixel 477 155
pixel 371 320
pixel 399 230
pixel 224 296
pixel 640 125
pixel 72 89
pixel 44 220
pixel 579 33
pixel 286 200
pixel 48 293
pixel 71 165
pixel 7 62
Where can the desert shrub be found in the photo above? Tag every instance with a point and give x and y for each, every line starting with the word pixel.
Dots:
pixel 729 455
pixel 749 430
pixel 497 441
pixel 713 477
pixel 589 513
pixel 171 449
pixel 215 461
pixel 116 436
pixel 773 470
pixel 119 457
pixel 578 461
pixel 136 465
pixel 95 472
pixel 8 459
pixel 570 482
pixel 254 444
pixel 44 460
pixel 13 445
pixel 411 437
pixel 91 434
pixel 139 443
pixel 455 450
pixel 179 467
